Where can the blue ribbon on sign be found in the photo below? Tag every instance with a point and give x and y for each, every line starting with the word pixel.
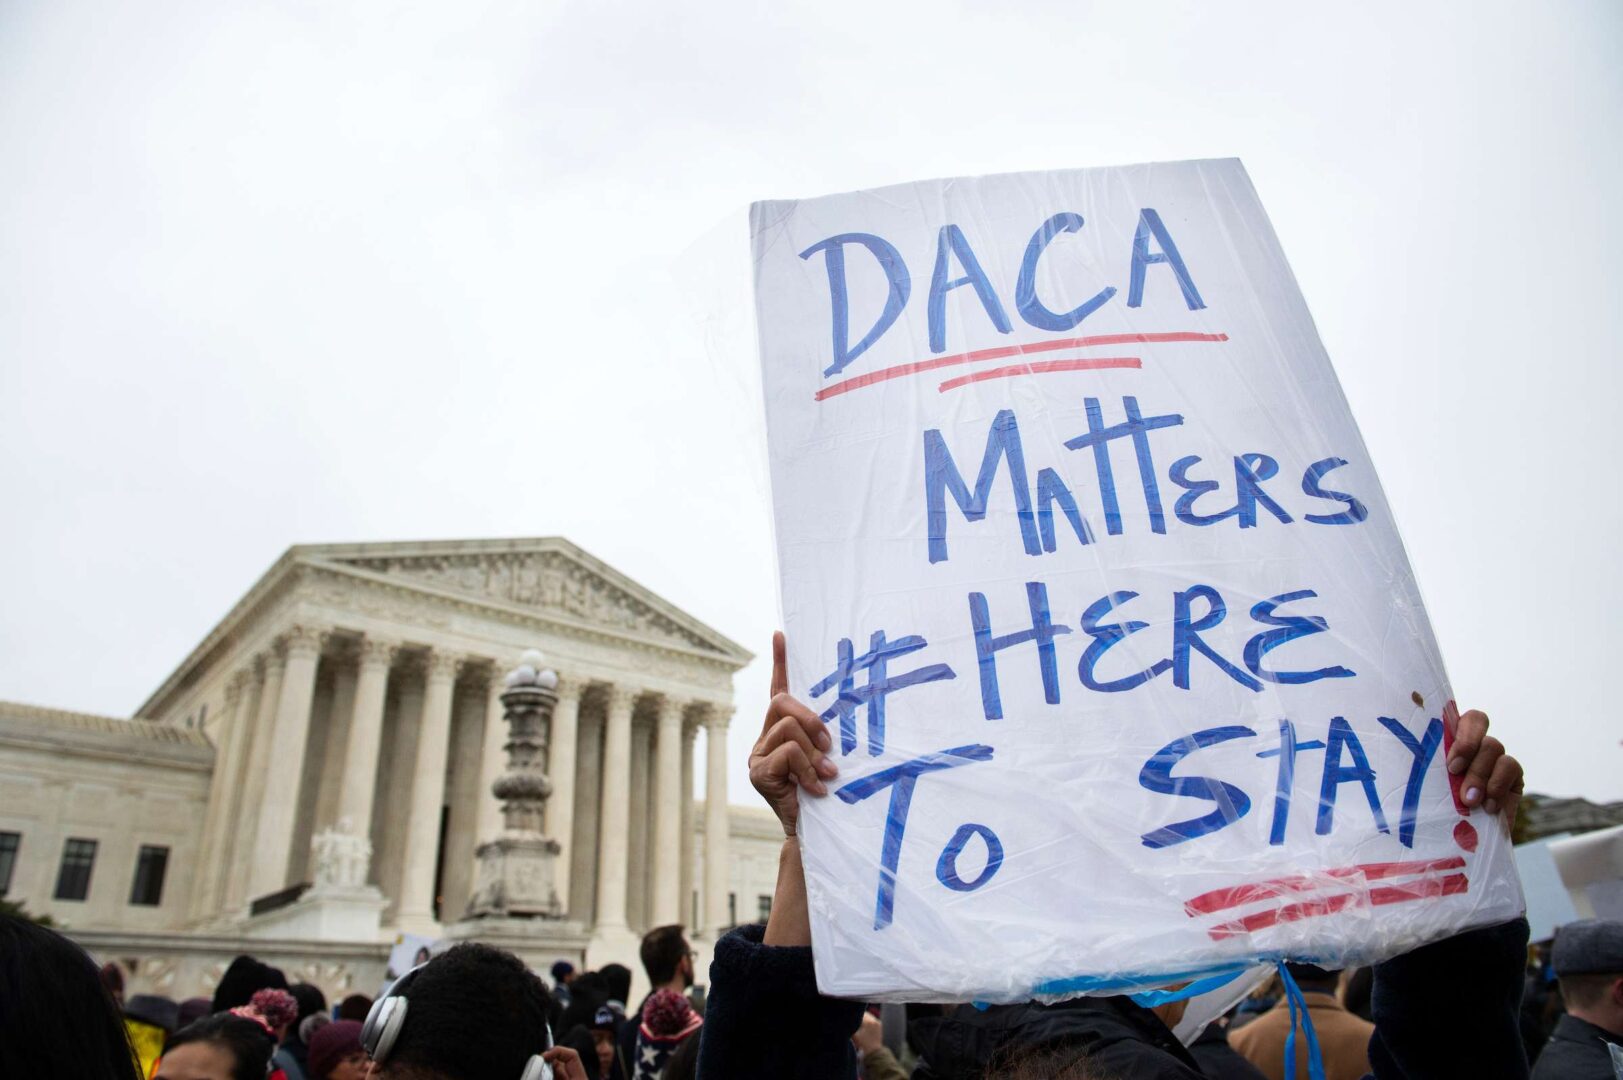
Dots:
pixel 1315 1056
pixel 1151 998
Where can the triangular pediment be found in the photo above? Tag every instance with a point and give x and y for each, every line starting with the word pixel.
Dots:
pixel 550 575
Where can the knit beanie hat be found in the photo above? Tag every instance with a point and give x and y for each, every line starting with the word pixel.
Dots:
pixel 331 1044
pixel 669 1015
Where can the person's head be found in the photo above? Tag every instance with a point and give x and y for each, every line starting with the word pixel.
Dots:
pixel 335 1052
pixel 112 977
pixel 617 978
pixel 667 958
pixel 311 1001
pixel 563 973
pixel 57 1017
pixel 224 1046
pixel 1588 962
pixel 192 1010
pixel 1068 1061
pixel 605 1029
pixel 154 1010
pixel 355 1007
pixel 586 993
pixel 1313 977
pixel 471 1013
pixel 245 977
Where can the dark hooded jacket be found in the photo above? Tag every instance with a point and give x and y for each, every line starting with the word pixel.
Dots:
pixel 1117 1036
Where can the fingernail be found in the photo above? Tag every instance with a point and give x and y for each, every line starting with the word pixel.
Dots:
pixel 826 767
pixel 819 788
pixel 1457 766
pixel 1491 806
pixel 824 743
pixel 1471 793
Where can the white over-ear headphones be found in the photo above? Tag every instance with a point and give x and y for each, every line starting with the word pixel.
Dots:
pixel 387 1017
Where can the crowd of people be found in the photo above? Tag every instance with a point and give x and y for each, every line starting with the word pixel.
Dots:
pixel 1464 1006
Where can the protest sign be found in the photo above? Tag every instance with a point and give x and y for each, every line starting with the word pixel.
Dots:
pixel 1086 567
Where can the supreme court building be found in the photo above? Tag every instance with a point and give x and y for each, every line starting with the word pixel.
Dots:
pixel 351 701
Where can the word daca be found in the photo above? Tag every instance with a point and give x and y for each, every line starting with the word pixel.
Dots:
pixel 1345 762
pixel 952 247
pixel 1034 509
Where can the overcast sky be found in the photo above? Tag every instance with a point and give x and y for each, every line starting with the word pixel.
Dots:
pixel 319 272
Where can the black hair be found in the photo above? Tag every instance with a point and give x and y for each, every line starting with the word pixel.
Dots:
pixel 663 949
pixel 474 1013
pixel 247 1041
pixel 354 1007
pixel 310 998
pixel 618 978
pixel 242 980
pixel 587 994
pixel 579 1039
pixel 1064 1061
pixel 57 1017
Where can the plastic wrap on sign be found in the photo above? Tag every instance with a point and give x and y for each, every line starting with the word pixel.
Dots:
pixel 1086 567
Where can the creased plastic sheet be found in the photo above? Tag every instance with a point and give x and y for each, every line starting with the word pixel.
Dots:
pixel 1087 569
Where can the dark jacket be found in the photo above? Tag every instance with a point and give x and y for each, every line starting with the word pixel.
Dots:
pixel 1450 1008
pixel 1444 1010
pixel 1217 1059
pixel 1576 1051
pixel 765 1019
pixel 1113 1034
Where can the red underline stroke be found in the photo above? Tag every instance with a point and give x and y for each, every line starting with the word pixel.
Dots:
pixel 1424 888
pixel 886 374
pixel 1041 367
pixel 1219 899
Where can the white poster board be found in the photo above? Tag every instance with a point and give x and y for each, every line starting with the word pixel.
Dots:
pixel 1087 568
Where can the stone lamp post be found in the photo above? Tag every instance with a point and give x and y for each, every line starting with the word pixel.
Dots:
pixel 515 878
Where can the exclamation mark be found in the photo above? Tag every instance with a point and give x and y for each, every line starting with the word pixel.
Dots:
pixel 1464 832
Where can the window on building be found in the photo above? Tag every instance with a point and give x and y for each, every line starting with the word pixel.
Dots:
pixel 73 878
pixel 732 909
pixel 763 908
pixel 202 716
pixel 9 843
pixel 147 889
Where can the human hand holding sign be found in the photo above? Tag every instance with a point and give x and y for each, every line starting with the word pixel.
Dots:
pixel 792 752
pixel 1490 778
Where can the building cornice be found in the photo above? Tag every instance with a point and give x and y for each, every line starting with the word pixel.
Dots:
pixel 328 560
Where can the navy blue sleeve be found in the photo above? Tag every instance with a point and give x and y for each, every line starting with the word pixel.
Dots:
pixel 764 1018
pixel 1452 1008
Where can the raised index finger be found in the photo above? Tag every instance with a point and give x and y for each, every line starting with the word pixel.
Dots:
pixel 780 664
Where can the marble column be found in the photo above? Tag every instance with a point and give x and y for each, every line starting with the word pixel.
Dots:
pixel 214 851
pixel 666 905
pixel 358 790
pixel 561 771
pixel 335 761
pixel 614 831
pixel 415 912
pixel 715 819
pixel 492 757
pixel 274 836
pixel 255 770
pixel 690 909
